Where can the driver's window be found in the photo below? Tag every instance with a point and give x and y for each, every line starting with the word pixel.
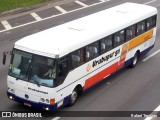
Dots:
pixel 62 70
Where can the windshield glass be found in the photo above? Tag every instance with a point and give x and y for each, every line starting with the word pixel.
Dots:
pixel 33 68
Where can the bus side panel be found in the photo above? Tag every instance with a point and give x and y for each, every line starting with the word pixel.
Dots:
pixel 139 43
pixel 101 75
pixel 99 72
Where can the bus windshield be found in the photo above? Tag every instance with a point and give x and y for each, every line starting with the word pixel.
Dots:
pixel 33 68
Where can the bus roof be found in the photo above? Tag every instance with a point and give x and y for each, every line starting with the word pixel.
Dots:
pixel 65 38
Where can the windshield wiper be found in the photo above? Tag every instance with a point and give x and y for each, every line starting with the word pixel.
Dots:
pixel 37 83
pixel 18 77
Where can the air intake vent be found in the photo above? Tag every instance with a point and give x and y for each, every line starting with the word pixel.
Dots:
pixel 121 11
pixel 77 29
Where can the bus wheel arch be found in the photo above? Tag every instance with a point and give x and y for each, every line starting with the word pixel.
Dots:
pixel 78 90
pixel 135 59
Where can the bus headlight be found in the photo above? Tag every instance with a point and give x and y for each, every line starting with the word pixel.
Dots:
pixel 11 90
pixel 42 99
pixel 47 100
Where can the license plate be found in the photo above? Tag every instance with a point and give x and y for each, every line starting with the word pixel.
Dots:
pixel 27 104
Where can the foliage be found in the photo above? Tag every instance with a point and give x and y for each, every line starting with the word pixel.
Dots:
pixel 6 5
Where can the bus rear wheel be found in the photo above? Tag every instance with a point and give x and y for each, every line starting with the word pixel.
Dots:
pixel 73 97
pixel 134 60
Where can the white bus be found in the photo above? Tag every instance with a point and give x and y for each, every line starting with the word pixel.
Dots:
pixel 49 69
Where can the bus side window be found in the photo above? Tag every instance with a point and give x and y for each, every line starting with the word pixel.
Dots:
pixel 130 32
pixel 96 49
pixel 118 38
pixel 151 22
pixel 77 58
pixel 92 51
pixel 140 27
pixel 106 44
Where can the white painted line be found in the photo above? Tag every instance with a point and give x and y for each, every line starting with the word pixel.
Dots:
pixel 84 5
pixel 56 118
pixel 101 1
pixel 153 113
pixel 6 25
pixel 108 83
pixel 38 18
pixel 61 9
pixel 57 7
pixel 105 0
pixel 149 2
pixel 153 54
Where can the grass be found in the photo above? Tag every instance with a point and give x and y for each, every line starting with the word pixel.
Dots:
pixel 6 5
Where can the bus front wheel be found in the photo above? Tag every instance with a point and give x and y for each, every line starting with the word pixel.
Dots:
pixel 73 97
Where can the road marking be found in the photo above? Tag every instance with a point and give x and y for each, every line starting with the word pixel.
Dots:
pixel 61 9
pixel 153 54
pixel 105 0
pixel 6 25
pixel 108 83
pixel 38 18
pixel 56 118
pixel 52 16
pixel 84 5
pixel 149 2
pixel 153 113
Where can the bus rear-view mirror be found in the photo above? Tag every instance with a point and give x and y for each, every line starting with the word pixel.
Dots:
pixel 4 58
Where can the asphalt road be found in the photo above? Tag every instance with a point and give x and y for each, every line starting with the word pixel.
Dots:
pixel 129 90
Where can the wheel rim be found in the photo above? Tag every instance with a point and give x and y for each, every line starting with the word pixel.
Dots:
pixel 135 60
pixel 73 96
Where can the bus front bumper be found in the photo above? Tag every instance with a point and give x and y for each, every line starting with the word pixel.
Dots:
pixel 37 105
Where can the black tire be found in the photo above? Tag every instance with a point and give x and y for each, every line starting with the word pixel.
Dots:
pixel 134 60
pixel 73 97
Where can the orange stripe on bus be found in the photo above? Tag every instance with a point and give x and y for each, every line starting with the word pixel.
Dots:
pixel 140 39
pixel 99 76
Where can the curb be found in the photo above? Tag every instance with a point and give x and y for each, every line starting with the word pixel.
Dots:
pixel 26 10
